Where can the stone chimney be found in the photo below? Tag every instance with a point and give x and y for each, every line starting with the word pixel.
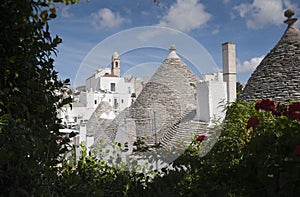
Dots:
pixel 229 69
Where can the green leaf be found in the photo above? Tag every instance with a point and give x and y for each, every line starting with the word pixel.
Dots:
pixel 44 15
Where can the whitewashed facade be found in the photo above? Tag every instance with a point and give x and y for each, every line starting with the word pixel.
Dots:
pixel 216 90
pixel 211 98
pixel 104 85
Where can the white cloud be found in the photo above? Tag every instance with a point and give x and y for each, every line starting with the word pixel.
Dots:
pixel 248 66
pixel 64 11
pixel 185 15
pixel 261 13
pixel 106 18
pixel 289 5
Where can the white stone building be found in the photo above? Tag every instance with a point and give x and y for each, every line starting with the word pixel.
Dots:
pixel 183 104
pixel 173 107
pixel 216 90
pixel 105 85
pixel 211 97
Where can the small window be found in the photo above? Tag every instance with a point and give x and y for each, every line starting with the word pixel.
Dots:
pixel 112 87
pixel 115 103
pixel 117 64
pixel 122 101
pixel 95 102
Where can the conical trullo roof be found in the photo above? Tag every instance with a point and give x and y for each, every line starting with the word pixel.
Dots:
pixel 167 94
pixel 161 104
pixel 278 75
pixel 98 119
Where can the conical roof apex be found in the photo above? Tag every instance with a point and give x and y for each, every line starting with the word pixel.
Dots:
pixel 278 75
pixel 172 54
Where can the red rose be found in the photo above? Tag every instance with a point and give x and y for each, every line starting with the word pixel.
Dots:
pixel 297 150
pixel 265 104
pixel 296 115
pixel 252 122
pixel 280 110
pixel 257 105
pixel 295 106
pixel 293 111
pixel 200 138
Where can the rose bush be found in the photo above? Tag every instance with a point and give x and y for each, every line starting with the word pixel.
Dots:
pixel 269 159
pixel 257 154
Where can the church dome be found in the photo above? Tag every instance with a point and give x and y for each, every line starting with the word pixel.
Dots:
pixel 278 75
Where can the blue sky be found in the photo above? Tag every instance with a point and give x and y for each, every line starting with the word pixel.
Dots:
pixel 99 25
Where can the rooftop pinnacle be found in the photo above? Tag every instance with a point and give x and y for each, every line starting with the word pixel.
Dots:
pixel 172 54
pixel 289 13
pixel 172 48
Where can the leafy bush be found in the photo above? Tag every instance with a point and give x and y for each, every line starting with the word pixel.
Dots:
pixel 257 154
pixel 30 94
pixel 97 177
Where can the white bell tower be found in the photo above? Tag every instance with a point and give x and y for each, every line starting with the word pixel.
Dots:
pixel 115 64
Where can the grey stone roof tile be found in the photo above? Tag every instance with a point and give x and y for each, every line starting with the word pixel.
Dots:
pixel 278 75
pixel 169 93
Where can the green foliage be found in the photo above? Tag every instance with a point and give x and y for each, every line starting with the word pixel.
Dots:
pixel 140 145
pixel 239 88
pixel 255 160
pixel 30 94
pixel 270 164
pixel 96 177
pixel 31 147
pixel 259 161
pixel 257 153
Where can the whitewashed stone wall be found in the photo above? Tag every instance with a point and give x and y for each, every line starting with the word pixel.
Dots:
pixel 211 98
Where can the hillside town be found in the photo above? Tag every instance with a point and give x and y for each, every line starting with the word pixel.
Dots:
pixel 181 132
pixel 172 107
